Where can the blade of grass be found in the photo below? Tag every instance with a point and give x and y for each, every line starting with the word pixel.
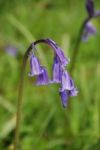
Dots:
pixel 7 105
pixel 8 127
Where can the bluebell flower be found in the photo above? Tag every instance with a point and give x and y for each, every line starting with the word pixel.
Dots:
pixel 67 87
pixel 58 51
pixel 89 28
pixel 56 70
pixel 66 81
pixel 88 31
pixel 59 73
pixel 35 66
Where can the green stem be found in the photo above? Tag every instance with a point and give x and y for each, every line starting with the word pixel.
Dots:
pixel 77 46
pixel 19 103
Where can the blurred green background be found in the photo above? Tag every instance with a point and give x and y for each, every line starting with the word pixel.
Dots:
pixel 46 125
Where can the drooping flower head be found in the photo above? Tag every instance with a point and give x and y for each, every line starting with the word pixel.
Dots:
pixel 89 28
pixel 59 73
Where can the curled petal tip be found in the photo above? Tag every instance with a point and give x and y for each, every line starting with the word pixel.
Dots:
pixel 73 92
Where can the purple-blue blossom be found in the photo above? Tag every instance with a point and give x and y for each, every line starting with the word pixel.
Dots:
pixel 89 28
pixel 67 87
pixel 88 31
pixel 59 73
pixel 35 66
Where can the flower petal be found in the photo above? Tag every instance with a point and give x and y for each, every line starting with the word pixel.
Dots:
pixel 66 81
pixel 58 52
pixel 73 92
pixel 42 79
pixel 35 66
pixel 64 97
pixel 88 31
pixel 56 70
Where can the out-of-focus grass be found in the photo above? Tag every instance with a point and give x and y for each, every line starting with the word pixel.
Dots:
pixel 46 125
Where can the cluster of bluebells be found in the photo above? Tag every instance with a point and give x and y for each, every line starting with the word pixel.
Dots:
pixel 59 73
pixel 89 28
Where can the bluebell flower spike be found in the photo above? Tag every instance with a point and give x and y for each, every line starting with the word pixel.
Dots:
pixel 59 73
pixel 89 29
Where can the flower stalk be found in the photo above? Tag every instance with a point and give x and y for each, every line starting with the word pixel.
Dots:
pixel 77 46
pixel 59 76
pixel 19 102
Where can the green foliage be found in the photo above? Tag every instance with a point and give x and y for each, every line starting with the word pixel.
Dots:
pixel 45 124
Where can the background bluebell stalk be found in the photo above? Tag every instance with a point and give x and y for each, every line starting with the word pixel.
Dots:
pixel 59 75
pixel 87 29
